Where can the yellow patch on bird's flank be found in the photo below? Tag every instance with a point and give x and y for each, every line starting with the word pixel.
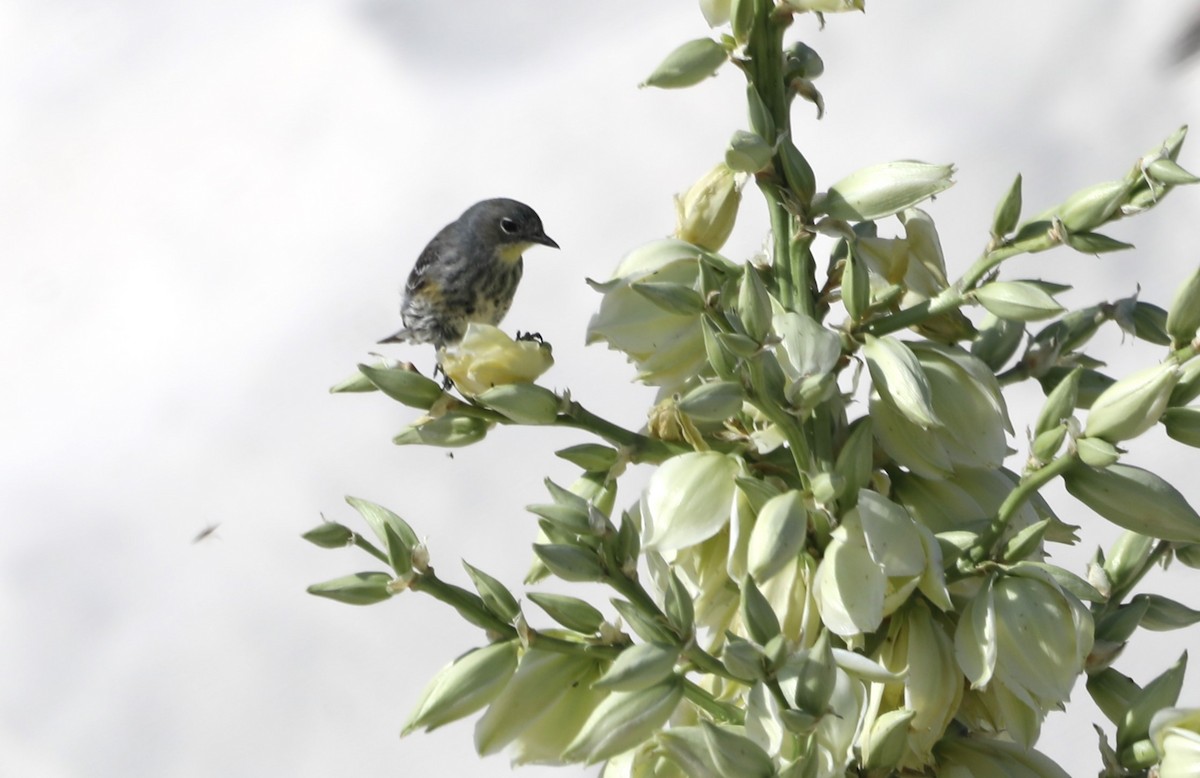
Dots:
pixel 431 291
pixel 512 252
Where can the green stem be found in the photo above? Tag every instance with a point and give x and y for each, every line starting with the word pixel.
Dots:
pixel 470 606
pixel 720 711
pixel 640 447
pixel 1117 595
pixel 954 296
pixel 792 432
pixel 366 545
pixel 1029 484
pixel 544 642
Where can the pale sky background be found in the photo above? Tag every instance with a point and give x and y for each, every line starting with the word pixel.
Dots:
pixel 206 212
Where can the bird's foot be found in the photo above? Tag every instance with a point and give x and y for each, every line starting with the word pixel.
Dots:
pixel 535 337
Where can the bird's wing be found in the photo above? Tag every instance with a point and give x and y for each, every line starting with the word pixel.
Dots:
pixel 431 256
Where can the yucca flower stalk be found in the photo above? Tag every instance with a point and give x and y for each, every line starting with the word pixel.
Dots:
pixel 836 567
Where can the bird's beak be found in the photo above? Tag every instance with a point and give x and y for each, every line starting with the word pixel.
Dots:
pixel 545 240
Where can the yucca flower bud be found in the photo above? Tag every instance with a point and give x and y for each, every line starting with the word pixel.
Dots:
pixel 706 213
pixel 688 64
pixel 716 12
pixel 882 190
pixel 1132 405
pixel 464 686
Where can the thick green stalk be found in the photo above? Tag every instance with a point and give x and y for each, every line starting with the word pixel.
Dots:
pixel 1029 484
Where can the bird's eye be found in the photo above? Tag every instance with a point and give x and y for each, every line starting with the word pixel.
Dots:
pixel 508 225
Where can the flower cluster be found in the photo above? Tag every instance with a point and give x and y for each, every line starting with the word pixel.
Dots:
pixel 835 567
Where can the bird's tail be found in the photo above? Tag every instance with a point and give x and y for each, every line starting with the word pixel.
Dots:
pixel 400 336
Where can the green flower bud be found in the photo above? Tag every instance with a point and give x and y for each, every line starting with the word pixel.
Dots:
pixel 1167 171
pixel 452 430
pixel 1060 404
pixel 541 681
pixel 679 299
pixel 855 460
pixel 754 304
pixel 824 6
pixel 1118 626
pixel 495 595
pixel 1188 387
pixel 1164 614
pixel 688 65
pixel 683 748
pixel 716 12
pixel 882 190
pixel 359 382
pixel 1132 405
pixel 1184 318
pixel 678 605
pixel 741 19
pixel 796 171
pixel 723 361
pixel 1162 692
pixel 464 686
pixel 623 720
pixel 1095 243
pixel 856 286
pixel 395 533
pixel 713 401
pixel 997 341
pixel 761 621
pixel 688 499
pixel 1017 300
pixel 1112 692
pixel 1091 384
pixel 1183 424
pixel 900 380
pixel 1147 322
pixel 589 456
pixel 404 384
pixel 884 744
pixel 1127 557
pixel 744 659
pixel 778 535
pixel 801 61
pixel 731 753
pixel 523 403
pixel 806 350
pixel 761 120
pixel 1008 211
pixel 329 535
pixel 639 667
pixel 1092 206
pixel 571 612
pixel 1096 452
pixel 570 563
pixel 748 153
pixel 706 213
pixel 1135 499
pixel 356 589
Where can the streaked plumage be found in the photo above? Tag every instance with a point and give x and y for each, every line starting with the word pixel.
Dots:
pixel 469 272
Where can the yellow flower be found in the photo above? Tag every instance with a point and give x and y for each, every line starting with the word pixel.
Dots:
pixel 487 357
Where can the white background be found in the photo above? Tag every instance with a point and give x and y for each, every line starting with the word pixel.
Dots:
pixel 206 212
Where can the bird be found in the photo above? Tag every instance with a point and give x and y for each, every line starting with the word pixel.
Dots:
pixel 468 273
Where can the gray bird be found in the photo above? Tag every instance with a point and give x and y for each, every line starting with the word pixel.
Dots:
pixel 468 273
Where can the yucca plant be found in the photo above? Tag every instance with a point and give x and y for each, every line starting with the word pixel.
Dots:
pixel 832 571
